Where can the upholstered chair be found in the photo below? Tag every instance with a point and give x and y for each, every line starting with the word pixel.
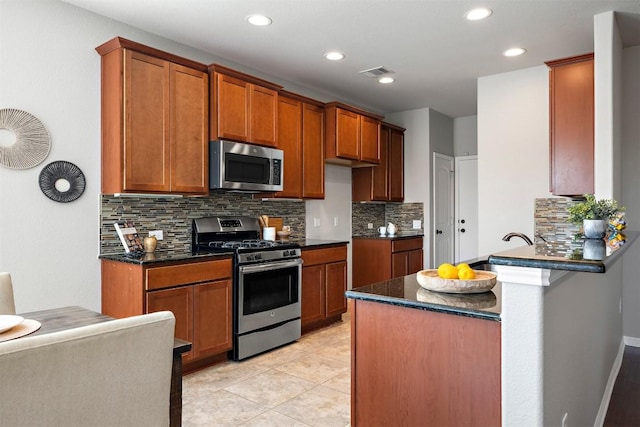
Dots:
pixel 7 305
pixel 115 373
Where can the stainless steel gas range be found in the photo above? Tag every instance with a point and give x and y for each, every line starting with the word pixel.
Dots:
pixel 267 280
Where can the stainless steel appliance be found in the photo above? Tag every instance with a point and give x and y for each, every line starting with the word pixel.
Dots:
pixel 244 167
pixel 267 280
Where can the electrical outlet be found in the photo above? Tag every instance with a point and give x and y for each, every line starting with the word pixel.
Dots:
pixel 335 221
pixel 157 233
pixel 316 222
pixel 564 420
pixel 417 224
pixel 370 226
pixel 620 306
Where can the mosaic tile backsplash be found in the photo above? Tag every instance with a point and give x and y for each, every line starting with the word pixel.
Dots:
pixel 552 224
pixel 174 215
pixel 401 214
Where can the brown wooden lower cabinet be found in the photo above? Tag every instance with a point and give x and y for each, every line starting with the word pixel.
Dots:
pixel 198 293
pixel 324 282
pixel 414 367
pixel 379 259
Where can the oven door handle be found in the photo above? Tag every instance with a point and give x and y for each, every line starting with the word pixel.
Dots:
pixel 255 268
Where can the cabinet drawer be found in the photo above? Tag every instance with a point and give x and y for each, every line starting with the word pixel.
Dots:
pixel 181 274
pixel 323 256
pixel 406 245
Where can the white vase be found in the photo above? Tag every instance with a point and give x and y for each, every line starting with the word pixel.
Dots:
pixel 594 228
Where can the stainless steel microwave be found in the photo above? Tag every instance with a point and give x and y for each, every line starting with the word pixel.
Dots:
pixel 244 167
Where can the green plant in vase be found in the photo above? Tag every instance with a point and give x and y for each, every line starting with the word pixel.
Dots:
pixel 593 215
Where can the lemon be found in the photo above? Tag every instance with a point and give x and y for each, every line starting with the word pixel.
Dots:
pixel 466 273
pixel 447 271
pixel 462 265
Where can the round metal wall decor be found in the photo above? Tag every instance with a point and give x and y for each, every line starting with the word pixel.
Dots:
pixel 30 144
pixel 62 181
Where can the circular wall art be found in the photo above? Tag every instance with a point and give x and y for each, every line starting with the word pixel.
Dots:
pixel 62 181
pixel 29 144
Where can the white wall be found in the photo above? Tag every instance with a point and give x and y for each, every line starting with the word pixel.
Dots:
pixel 513 153
pixel 630 188
pixel 608 114
pixel 582 336
pixel 465 136
pixel 336 206
pixel 417 166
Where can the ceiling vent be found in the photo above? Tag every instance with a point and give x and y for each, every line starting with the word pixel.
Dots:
pixel 375 72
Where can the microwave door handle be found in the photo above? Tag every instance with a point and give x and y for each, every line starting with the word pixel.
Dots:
pixel 254 268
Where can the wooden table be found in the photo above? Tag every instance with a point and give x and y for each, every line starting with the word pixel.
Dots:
pixel 60 319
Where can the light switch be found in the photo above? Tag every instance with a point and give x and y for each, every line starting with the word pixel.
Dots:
pixel 316 222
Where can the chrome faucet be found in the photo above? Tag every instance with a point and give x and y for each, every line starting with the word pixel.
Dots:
pixel 524 237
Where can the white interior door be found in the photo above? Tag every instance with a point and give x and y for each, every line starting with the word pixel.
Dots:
pixel 443 203
pixel 466 219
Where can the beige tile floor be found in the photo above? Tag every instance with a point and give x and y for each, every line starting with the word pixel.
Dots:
pixel 306 383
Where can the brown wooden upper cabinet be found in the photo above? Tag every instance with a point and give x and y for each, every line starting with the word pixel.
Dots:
pixel 384 182
pixel 243 108
pixel 155 110
pixel 352 136
pixel 571 126
pixel 301 137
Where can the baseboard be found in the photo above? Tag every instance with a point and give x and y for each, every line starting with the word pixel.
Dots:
pixel 606 397
pixel 632 341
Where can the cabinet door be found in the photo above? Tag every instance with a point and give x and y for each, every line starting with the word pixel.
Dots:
pixel 290 141
pixel 369 140
pixel 212 307
pixel 396 165
pixel 146 143
pixel 189 129
pixel 336 286
pixel 312 294
pixel 347 134
pixel 399 264
pixel 180 302
pixel 233 107
pixel 312 152
pixel 263 116
pixel 571 108
pixel 380 173
pixel 414 262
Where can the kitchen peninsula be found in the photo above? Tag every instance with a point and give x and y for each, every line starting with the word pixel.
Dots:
pixel 543 345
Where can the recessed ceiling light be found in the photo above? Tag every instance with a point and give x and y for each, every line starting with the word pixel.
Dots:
pixel 334 56
pixel 386 80
pixel 477 14
pixel 259 20
pixel 516 51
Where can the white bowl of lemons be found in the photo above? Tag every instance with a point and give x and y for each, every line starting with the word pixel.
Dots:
pixel 460 279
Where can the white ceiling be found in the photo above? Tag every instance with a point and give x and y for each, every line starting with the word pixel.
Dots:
pixel 435 53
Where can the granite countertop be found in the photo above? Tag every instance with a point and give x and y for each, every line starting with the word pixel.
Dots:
pixel 397 236
pixel 407 292
pixel 548 255
pixel 177 255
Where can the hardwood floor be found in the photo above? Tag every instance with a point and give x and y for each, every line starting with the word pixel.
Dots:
pixel 624 407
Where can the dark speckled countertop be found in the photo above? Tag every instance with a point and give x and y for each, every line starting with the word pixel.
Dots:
pixel 162 256
pixel 407 292
pixel 544 255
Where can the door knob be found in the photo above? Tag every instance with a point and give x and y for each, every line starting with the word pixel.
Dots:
pixel 438 231
pixel 462 221
pixel 462 230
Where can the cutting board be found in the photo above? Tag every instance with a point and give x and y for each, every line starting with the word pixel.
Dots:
pixel 276 222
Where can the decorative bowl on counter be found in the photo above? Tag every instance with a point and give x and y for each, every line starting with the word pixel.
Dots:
pixel 484 281
pixel 284 235
pixel 470 301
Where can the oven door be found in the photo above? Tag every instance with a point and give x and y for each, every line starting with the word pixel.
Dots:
pixel 268 294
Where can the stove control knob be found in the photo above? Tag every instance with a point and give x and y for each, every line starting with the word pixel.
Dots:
pixel 257 256
pixel 249 257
